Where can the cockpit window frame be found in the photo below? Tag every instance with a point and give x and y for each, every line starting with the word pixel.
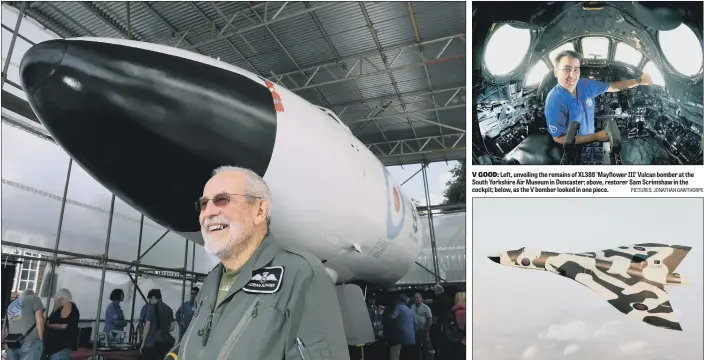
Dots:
pixel 673 71
pixel 613 42
pixel 332 115
pixel 530 69
pixel 521 68
pixel 551 60
pixel 609 56
pixel 616 47
pixel 662 75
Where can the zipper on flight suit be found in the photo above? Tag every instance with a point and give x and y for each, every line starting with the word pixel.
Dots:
pixel 239 329
pixel 188 333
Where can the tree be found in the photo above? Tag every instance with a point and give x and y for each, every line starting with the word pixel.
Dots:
pixel 456 186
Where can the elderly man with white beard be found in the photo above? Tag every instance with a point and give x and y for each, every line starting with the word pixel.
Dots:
pixel 263 301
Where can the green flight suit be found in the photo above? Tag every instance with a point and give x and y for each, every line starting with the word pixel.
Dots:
pixel 278 295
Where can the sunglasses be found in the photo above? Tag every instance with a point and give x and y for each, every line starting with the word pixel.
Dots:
pixel 219 200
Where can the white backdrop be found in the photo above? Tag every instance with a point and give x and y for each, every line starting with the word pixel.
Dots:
pixel 450 239
pixel 33 180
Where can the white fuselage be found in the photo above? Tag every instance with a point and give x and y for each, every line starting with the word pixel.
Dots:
pixel 330 195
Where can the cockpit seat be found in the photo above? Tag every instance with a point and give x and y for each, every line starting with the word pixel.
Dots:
pixel 536 149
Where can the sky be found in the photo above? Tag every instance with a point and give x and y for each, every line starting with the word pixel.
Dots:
pixel 530 315
pixel 438 176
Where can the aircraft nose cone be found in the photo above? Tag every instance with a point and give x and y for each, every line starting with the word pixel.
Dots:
pixel 148 125
pixel 40 63
pixel 495 259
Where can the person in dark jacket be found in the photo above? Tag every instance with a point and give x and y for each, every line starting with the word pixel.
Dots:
pixel 62 327
pixel 184 314
pixel 442 303
pixel 391 333
pixel 156 340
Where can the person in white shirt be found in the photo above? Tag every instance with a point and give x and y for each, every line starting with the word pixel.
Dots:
pixel 422 320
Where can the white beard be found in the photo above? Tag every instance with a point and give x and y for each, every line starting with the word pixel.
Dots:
pixel 236 234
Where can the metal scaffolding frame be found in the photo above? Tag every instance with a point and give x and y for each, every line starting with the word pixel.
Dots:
pixel 103 259
pixel 12 43
pixel 193 277
pixel 186 275
pixel 401 144
pixel 368 57
pixel 359 60
pixel 350 68
pixel 429 210
pixel 433 247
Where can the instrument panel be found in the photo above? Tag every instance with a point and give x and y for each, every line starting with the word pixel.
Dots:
pixel 652 125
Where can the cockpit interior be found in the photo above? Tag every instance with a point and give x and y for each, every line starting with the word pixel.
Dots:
pixel 514 48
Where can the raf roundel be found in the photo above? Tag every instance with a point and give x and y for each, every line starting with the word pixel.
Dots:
pixel 525 262
pixel 395 208
pixel 640 306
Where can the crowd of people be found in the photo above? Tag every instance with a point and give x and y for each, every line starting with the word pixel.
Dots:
pixel 31 333
pixel 156 322
pixel 295 313
pixel 412 331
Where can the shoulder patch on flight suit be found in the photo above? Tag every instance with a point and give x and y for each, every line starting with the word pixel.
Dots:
pixel 266 280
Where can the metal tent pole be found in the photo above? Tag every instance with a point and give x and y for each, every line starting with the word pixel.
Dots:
pixel 193 265
pixel 58 233
pixel 153 245
pixel 100 257
pixel 422 166
pixel 185 265
pixel 102 277
pixel 136 276
pixel 183 287
pixel 12 43
pixel 432 226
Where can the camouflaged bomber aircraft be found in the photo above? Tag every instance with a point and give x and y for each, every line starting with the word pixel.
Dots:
pixel 631 278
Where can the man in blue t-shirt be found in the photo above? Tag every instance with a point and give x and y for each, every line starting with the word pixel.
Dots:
pixel 404 327
pixel 184 314
pixel 572 99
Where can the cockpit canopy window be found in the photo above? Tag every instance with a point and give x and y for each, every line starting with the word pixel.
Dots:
pixel 335 118
pixel 559 49
pixel 682 50
pixel 626 53
pixel 505 50
pixel 595 47
pixel 654 72
pixel 536 73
